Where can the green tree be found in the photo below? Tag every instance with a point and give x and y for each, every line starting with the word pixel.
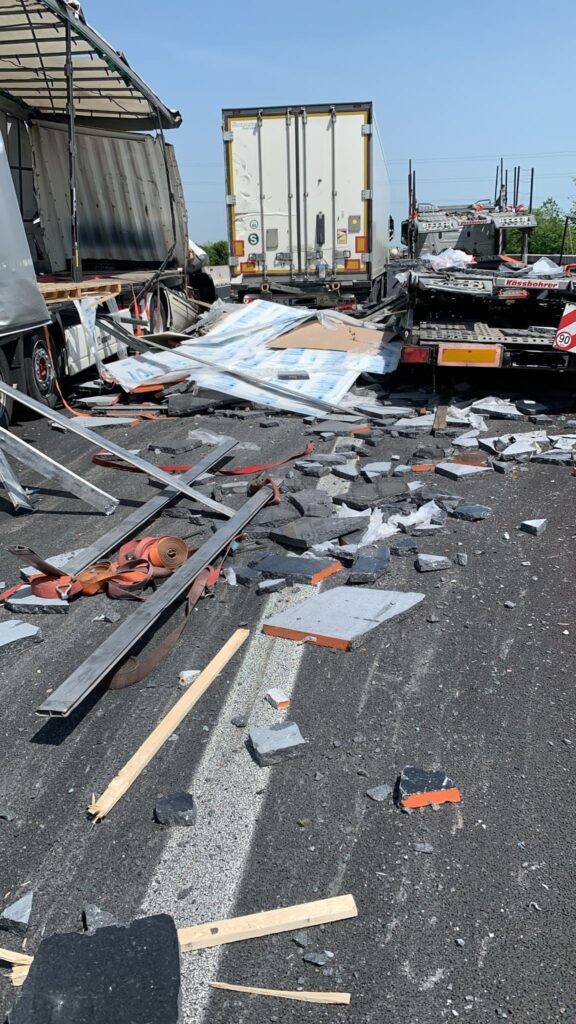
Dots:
pixel 547 235
pixel 218 253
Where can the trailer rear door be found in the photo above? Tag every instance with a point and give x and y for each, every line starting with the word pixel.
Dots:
pixel 298 196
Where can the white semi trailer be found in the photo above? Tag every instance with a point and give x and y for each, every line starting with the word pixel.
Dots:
pixel 308 202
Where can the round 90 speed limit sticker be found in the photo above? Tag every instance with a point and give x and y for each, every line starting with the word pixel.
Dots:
pixel 564 339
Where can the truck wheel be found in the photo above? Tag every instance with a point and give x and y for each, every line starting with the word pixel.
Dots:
pixel 42 368
pixel 6 404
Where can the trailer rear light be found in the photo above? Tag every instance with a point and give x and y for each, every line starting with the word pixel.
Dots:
pixel 352 264
pixel 238 249
pixel 344 307
pixel 488 356
pixel 248 267
pixel 361 243
pixel 415 354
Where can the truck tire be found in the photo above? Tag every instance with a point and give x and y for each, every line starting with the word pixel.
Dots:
pixel 6 404
pixel 42 368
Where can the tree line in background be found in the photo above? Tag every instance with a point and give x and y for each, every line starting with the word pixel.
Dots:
pixel 549 232
pixel 218 253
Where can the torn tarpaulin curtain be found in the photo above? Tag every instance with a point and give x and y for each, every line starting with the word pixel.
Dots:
pixel 239 341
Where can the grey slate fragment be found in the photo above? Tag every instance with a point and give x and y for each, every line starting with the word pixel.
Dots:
pixel 459 470
pixel 432 563
pixel 14 630
pixel 553 458
pixel 346 471
pixel 25 602
pixel 534 526
pixel 94 918
pixel 423 848
pixel 245 574
pixel 308 531
pixel 370 566
pixel 176 809
pixel 423 529
pixel 404 548
pixel 336 427
pixel 312 502
pixel 462 558
pixel 343 614
pixel 375 470
pixel 7 814
pixel 314 469
pixel 301 939
pixel 401 470
pixel 329 458
pixel 266 424
pixel 239 721
pixel 380 793
pixel 319 957
pixel 117 974
pixel 472 513
pixel 292 567
pixel 275 743
pixel 502 467
pixel 16 916
pixel 272 586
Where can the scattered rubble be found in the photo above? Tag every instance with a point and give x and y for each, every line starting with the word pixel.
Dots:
pixel 432 563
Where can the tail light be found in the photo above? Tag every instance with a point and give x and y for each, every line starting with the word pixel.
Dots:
pixel 415 354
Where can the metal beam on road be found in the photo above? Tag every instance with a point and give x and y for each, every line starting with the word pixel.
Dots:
pixel 141 516
pixel 74 427
pixel 13 487
pixel 43 464
pixel 116 647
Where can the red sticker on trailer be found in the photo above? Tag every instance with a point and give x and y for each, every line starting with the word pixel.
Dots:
pixel 566 334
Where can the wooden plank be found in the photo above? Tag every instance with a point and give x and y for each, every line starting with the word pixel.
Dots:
pixel 133 768
pixel 60 291
pixel 440 418
pixel 167 479
pixel 118 644
pixel 268 922
pixel 330 998
pixel 10 956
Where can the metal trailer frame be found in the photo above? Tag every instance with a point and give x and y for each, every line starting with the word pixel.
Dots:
pixel 104 659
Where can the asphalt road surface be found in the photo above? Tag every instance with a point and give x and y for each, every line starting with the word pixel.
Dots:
pixel 481 928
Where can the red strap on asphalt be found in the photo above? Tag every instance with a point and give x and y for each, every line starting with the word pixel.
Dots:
pixel 110 461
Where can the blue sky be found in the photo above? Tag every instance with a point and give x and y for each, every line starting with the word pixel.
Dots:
pixel 456 84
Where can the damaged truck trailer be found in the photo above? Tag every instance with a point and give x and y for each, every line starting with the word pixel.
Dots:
pixel 99 196
pixel 308 203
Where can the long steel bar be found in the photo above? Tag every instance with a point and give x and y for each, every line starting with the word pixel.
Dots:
pixel 13 487
pixel 133 460
pixel 47 467
pixel 137 519
pixel 100 663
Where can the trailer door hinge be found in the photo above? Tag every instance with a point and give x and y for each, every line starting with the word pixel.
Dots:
pixel 228 136
pixel 366 257
pixel 230 200
pixel 366 193
pixel 366 129
pixel 233 261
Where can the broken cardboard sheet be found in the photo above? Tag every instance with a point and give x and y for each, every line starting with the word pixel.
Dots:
pixel 240 342
pixel 341 337
pixel 341 617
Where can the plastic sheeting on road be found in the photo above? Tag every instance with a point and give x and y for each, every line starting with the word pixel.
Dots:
pixel 239 341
